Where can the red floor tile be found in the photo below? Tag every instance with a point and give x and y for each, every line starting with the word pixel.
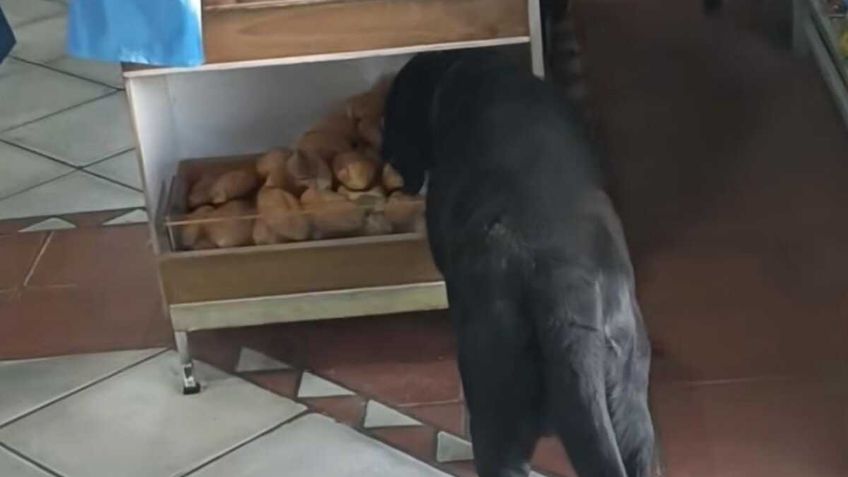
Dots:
pixel 106 257
pixel 284 383
pixel 448 417
pixel 403 360
pixel 17 255
pixel 755 429
pixel 346 409
pixel 78 319
pixel 11 227
pixel 417 441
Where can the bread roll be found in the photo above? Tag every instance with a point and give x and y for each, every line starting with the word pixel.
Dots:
pixel 192 233
pixel 263 235
pixel 392 180
pixel 233 185
pixel 204 244
pixel 305 170
pixel 271 168
pixel 376 223
pixel 282 213
pixel 236 231
pixel 370 198
pixel 200 193
pixel 402 211
pixel 371 132
pixel 366 105
pixel 354 170
pixel 331 214
pixel 323 145
pixel 337 124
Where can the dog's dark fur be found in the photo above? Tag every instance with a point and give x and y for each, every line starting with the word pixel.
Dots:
pixel 539 279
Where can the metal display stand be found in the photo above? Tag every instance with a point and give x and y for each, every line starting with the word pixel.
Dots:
pixel 262 90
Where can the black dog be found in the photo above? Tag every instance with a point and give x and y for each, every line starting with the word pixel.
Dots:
pixel 539 280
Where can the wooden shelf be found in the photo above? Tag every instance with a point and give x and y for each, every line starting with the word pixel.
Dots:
pixel 267 33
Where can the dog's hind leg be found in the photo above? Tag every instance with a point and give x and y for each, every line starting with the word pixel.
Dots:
pixel 575 348
pixel 631 418
pixel 500 373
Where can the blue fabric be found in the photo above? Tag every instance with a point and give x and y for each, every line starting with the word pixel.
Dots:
pixel 7 39
pixel 151 32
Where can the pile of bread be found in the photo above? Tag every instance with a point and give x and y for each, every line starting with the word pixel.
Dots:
pixel 331 184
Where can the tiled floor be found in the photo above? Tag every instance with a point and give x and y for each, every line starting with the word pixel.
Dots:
pixel 730 168
pixel 66 144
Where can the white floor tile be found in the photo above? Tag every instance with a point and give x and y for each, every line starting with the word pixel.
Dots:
pixel 138 216
pixel 19 12
pixel 11 65
pixel 251 361
pixel 73 193
pixel 80 135
pixel 106 73
pixel 53 223
pixel 122 168
pixel 138 423
pixel 314 446
pixel 30 92
pixel 380 415
pixel 450 448
pixel 22 169
pixel 41 41
pixel 312 386
pixel 13 466
pixel 32 383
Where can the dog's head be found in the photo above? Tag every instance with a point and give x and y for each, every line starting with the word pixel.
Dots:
pixel 407 127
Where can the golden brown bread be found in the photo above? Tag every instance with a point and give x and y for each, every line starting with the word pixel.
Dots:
pixel 235 227
pixel 282 213
pixel 366 105
pixel 376 223
pixel 402 211
pixel 370 198
pixel 339 124
pixel 354 170
pixel 304 171
pixel 392 180
pixel 271 167
pixel 331 214
pixel 200 191
pixel 263 235
pixel 323 145
pixel 192 233
pixel 233 185
pixel 371 132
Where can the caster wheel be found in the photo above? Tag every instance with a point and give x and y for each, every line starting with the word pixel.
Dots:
pixel 191 389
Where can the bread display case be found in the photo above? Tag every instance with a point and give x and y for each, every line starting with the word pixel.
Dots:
pixel 268 250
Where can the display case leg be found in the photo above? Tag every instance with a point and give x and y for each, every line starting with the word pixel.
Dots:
pixel 190 384
pixel 537 47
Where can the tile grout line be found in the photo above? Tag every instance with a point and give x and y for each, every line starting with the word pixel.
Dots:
pixel 27 123
pixel 360 428
pixel 41 251
pixel 57 70
pixel 74 170
pixel 84 387
pixel 60 161
pixel 250 440
pixel 29 460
